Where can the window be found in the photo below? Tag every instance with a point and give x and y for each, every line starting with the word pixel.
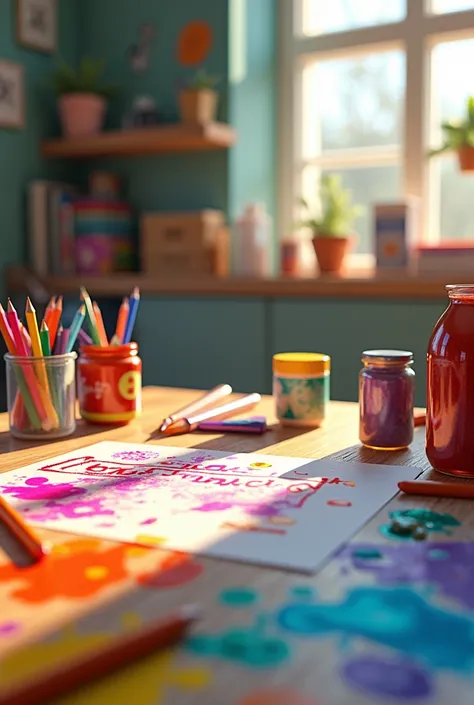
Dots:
pixel 364 86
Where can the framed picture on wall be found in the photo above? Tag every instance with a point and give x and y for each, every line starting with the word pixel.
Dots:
pixel 12 95
pixel 37 24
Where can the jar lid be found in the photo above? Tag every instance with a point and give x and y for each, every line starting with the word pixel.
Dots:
pixel 301 363
pixel 387 356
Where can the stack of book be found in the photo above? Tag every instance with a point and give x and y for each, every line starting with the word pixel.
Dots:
pixel 452 258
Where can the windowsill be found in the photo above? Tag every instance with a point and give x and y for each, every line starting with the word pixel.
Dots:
pixel 363 284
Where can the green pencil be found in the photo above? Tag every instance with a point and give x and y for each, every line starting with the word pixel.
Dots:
pixel 90 315
pixel 56 395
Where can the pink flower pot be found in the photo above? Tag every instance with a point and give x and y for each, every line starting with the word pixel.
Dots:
pixel 81 114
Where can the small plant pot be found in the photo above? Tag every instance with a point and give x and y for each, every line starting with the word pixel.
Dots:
pixel 198 106
pixel 81 114
pixel 331 252
pixel 466 158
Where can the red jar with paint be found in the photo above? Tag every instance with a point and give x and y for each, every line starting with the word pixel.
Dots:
pixel 110 384
pixel 450 386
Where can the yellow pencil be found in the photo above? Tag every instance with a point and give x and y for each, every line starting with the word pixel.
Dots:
pixel 40 367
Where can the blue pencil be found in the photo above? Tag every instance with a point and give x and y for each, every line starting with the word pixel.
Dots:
pixel 133 302
pixel 76 326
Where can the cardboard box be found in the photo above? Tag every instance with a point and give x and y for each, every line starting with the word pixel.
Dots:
pixel 179 232
pixel 207 260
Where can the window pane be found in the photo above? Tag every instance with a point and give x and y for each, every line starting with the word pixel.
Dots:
pixel 369 186
pixel 322 16
pixel 443 6
pixel 452 192
pixel 353 102
pixel 455 202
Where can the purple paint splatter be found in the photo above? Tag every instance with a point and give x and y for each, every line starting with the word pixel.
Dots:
pixel 449 566
pixel 136 455
pixel 152 520
pixel 381 677
pixel 53 511
pixel 40 488
pixel 9 628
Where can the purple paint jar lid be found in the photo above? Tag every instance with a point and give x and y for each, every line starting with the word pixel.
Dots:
pixel 388 356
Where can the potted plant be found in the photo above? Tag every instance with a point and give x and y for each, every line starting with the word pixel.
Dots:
pixel 458 136
pixel 82 97
pixel 332 226
pixel 198 102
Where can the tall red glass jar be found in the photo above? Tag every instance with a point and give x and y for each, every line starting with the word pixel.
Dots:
pixel 450 386
pixel 110 384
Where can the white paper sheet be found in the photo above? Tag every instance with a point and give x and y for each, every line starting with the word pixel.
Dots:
pixel 270 510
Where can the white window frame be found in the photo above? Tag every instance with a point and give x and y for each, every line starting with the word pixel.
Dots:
pixel 416 35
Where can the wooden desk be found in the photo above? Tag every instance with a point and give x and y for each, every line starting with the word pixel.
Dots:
pixel 244 656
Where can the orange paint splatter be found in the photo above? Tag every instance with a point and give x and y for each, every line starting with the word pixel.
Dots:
pixel 194 43
pixel 75 569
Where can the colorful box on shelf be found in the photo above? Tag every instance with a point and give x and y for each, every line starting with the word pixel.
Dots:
pixel 394 228
pixel 104 236
pixel 450 258
pixel 184 243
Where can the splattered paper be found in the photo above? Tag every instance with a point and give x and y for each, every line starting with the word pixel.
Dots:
pixel 272 510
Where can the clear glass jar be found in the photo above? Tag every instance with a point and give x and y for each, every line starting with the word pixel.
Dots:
pixel 386 399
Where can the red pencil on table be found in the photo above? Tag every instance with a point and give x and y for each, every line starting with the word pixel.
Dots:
pixel 458 490
pixel 47 684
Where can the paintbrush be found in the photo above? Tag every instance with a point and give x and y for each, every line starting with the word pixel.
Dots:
pixel 232 408
pixel 207 399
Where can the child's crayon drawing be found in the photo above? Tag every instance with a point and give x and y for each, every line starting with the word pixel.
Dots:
pixel 255 508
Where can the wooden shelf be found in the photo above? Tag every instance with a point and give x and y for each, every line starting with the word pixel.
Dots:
pixel 147 140
pixel 20 281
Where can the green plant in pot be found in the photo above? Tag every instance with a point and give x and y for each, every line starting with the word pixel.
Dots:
pixel 198 102
pixel 458 136
pixel 332 224
pixel 82 97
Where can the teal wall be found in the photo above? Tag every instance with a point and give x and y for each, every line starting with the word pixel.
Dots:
pixel 20 160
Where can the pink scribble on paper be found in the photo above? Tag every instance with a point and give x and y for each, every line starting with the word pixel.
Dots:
pixel 40 488
pixel 148 521
pixel 9 628
pixel 136 455
pixel 79 509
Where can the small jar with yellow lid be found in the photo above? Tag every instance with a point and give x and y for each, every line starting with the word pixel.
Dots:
pixel 301 388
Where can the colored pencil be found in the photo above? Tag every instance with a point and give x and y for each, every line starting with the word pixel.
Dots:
pixel 21 532
pixel 75 328
pixel 58 342
pixel 84 338
pixel 55 320
pixel 40 368
pixel 90 315
pixel 122 319
pixel 133 302
pixel 461 490
pixel 28 373
pixel 64 340
pixel 6 332
pixel 207 399
pixel 99 662
pixel 45 338
pixel 232 408
pixel 100 325
pixel 49 310
pixel 26 337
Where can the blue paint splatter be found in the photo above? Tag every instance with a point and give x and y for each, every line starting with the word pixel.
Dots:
pixel 367 554
pixel 238 597
pixel 398 618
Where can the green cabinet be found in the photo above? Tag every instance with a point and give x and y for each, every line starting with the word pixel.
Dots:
pixel 202 342
pixel 343 329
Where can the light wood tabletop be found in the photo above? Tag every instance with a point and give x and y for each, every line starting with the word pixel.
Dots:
pixel 385 620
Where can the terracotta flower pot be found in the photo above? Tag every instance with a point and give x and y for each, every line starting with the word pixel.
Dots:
pixel 466 158
pixel 331 252
pixel 198 106
pixel 81 114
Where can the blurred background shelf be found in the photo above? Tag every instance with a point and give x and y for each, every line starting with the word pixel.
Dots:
pixel 147 140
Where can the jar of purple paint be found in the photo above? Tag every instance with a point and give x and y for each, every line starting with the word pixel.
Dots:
pixel 386 399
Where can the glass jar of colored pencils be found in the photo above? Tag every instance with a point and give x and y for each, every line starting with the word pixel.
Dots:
pixel 110 384
pixel 41 396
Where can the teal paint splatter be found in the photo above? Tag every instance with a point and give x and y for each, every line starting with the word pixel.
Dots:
pixel 367 554
pixel 238 597
pixel 438 554
pixel 243 645
pixel 397 618
pixel 426 518
pixel 303 592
